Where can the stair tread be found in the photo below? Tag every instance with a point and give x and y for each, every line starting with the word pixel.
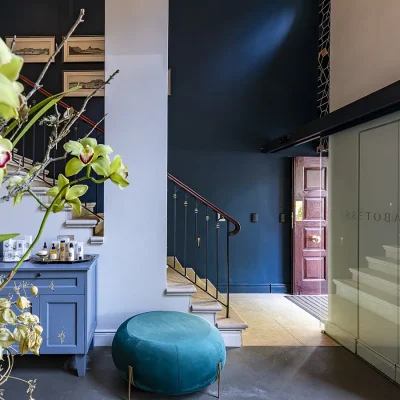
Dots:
pixel 235 321
pixel 388 279
pixel 176 283
pixel 367 290
pixel 392 262
pixel 202 301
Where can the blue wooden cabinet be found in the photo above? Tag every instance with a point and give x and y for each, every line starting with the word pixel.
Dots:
pixel 66 302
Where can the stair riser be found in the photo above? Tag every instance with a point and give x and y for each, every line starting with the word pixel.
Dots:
pixel 392 253
pixel 387 269
pixel 370 303
pixel 376 284
pixel 210 317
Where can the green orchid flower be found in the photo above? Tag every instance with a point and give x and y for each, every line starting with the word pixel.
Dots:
pixel 69 195
pixel 88 152
pixel 10 90
pixel 119 172
pixel 5 154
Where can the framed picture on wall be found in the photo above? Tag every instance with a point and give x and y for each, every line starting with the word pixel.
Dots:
pixel 33 49
pixel 84 49
pixel 89 80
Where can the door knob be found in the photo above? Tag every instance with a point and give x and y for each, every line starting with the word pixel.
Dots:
pixel 316 239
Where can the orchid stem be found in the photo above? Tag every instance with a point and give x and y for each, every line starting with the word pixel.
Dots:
pixel 37 199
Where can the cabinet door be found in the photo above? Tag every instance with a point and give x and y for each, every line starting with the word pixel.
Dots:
pixel 62 313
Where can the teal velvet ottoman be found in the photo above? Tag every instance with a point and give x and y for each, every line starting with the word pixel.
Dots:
pixel 169 352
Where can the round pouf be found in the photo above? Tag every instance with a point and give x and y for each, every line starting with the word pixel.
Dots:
pixel 170 352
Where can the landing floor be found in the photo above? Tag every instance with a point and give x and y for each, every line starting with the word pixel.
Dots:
pixel 275 321
pixel 270 373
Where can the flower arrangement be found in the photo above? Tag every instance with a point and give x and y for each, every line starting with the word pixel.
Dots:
pixel 17 116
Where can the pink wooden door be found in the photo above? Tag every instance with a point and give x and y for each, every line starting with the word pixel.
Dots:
pixel 310 225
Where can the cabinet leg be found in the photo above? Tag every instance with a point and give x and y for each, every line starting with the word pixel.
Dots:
pixel 91 347
pixel 80 362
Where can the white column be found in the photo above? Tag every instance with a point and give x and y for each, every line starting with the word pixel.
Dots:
pixel 132 273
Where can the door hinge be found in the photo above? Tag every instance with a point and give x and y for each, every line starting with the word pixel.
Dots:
pixel 292 216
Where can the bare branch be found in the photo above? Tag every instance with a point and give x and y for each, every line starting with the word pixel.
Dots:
pixel 98 123
pixel 53 56
pixel 83 108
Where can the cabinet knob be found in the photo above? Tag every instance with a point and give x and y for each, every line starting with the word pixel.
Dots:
pixel 38 275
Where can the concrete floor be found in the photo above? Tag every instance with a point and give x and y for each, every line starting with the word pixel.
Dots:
pixel 275 321
pixel 272 373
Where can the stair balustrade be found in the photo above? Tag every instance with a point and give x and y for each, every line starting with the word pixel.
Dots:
pixel 31 149
pixel 199 236
pixel 199 233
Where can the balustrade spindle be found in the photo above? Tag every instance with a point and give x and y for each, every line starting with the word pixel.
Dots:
pixel 207 219
pixel 227 269
pixel 175 196
pixel 217 263
pixel 185 204
pixel 196 212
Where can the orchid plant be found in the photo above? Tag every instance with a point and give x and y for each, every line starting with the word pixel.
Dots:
pixel 17 116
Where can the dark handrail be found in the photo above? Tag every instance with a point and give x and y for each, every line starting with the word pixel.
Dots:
pixel 61 103
pixel 207 203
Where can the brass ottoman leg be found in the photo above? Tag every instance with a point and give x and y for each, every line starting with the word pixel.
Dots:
pixel 219 379
pixel 130 381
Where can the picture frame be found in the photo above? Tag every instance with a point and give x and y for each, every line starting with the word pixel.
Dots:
pixel 33 49
pixel 88 79
pixel 84 49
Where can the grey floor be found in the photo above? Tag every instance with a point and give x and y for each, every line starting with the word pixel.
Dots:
pixel 276 373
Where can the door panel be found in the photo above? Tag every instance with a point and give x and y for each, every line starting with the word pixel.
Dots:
pixel 310 202
pixel 62 313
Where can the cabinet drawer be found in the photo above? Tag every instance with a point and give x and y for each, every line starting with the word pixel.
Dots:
pixel 50 282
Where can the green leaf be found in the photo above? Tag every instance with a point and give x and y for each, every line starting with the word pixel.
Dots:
pixel 6 236
pixel 35 118
pixel 74 166
pixel 76 191
pixel 39 106
pixel 101 166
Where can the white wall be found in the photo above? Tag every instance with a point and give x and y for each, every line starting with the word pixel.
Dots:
pixel 365 50
pixel 132 274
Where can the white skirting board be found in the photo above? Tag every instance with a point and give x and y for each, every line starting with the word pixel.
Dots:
pixel 105 337
pixel 341 336
pixel 378 361
pixel 363 351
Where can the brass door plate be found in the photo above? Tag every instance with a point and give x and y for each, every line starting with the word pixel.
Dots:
pixel 298 210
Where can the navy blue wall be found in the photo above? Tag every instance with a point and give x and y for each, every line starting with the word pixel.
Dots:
pixel 55 18
pixel 242 72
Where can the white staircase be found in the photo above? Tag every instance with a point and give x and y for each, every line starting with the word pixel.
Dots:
pixel 94 226
pixel 374 288
pixel 201 303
